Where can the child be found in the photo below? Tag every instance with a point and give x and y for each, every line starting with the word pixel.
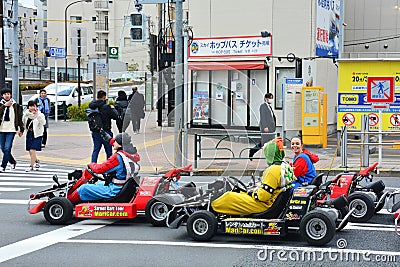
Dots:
pixel 34 122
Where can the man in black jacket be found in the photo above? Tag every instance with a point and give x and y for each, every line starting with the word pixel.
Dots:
pixel 267 123
pixel 108 113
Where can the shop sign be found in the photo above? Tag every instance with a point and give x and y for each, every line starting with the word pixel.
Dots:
pixel 231 47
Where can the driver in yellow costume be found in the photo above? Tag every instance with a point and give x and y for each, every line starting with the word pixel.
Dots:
pixel 277 178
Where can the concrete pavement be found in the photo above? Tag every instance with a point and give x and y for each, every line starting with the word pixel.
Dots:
pixel 70 143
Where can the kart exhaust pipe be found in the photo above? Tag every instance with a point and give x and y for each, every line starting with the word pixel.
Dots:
pixel 346 218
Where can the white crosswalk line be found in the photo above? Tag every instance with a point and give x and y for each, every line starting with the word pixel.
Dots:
pixel 6 189
pixel 15 180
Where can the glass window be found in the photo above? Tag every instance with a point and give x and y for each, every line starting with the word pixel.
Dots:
pixel 258 88
pixel 280 75
pixel 239 96
pixel 219 97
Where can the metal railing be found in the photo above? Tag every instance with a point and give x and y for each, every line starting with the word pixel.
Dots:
pixel 364 142
pixel 225 142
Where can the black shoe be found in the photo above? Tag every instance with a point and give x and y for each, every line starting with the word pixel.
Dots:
pixel 251 154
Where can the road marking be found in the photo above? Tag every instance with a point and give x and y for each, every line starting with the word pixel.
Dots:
pixel 102 156
pixel 35 243
pixel 19 201
pixel 24 184
pixel 7 189
pixel 235 246
pixel 38 178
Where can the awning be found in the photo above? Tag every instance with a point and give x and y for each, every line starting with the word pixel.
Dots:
pixel 227 65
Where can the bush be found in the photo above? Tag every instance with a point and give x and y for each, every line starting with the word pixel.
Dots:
pixel 77 114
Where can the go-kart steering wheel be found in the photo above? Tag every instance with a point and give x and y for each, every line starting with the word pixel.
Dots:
pixel 237 185
pixel 95 176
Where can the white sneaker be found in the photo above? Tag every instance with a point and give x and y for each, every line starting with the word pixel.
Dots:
pixel 29 169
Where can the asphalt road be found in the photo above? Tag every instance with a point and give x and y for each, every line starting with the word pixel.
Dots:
pixel 28 240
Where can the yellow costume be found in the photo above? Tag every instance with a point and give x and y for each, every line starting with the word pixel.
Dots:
pixel 276 178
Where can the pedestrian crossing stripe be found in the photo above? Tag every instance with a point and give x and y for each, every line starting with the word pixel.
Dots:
pixel 13 189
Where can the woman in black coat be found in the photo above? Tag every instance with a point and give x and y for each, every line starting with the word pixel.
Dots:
pixel 121 104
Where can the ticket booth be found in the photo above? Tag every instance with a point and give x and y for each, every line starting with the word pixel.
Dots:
pixel 314 116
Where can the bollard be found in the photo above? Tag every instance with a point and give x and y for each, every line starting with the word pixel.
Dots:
pixel 365 140
pixel 195 151
pixel 343 147
pixel 64 105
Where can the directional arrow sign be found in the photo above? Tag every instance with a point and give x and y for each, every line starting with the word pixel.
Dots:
pixel 58 52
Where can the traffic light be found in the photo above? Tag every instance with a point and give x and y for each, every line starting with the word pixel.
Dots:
pixel 138 27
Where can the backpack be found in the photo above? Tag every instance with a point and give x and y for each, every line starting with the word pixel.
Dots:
pixel 95 119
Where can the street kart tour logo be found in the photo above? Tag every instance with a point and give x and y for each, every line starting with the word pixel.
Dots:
pixel 194 47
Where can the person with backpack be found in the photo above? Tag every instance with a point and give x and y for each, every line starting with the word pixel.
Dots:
pixel 10 124
pixel 43 104
pixel 121 104
pixel 118 169
pixel 99 120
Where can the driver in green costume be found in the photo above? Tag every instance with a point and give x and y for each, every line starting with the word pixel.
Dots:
pixel 277 178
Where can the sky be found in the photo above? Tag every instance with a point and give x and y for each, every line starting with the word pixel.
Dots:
pixel 27 3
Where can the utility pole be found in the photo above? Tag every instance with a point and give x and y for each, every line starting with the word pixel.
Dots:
pixel 79 66
pixel 2 56
pixel 178 114
pixel 15 57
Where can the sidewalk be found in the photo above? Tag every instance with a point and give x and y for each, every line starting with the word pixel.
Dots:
pixel 70 143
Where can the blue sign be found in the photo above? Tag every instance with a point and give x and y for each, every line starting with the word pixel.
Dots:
pixel 58 52
pixel 294 81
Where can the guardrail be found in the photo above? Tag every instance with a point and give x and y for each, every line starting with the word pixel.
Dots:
pixel 220 141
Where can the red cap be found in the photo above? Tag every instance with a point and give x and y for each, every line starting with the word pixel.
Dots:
pixel 112 140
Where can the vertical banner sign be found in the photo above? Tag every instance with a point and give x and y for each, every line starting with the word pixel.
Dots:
pixel 327 27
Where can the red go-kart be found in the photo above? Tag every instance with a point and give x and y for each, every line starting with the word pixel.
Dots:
pixel 365 198
pixel 130 201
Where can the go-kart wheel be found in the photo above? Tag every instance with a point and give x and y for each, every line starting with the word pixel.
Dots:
pixel 317 227
pixel 380 204
pixel 342 213
pixel 364 207
pixel 237 185
pixel 58 210
pixel 202 225
pixel 156 212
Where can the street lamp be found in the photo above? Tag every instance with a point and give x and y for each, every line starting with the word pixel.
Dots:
pixel 66 34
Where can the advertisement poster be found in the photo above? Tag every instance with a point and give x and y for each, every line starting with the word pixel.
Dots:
pixel 200 107
pixel 327 27
pixel 309 72
pixel 353 94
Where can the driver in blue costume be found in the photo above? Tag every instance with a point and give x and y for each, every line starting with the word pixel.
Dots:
pixel 117 166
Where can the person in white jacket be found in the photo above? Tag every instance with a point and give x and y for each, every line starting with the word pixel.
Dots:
pixel 34 122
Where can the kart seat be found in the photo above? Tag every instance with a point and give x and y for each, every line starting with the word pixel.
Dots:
pixel 125 195
pixel 276 209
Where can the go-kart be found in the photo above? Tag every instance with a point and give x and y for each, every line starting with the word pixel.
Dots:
pixel 299 211
pixel 396 222
pixel 130 202
pixel 366 199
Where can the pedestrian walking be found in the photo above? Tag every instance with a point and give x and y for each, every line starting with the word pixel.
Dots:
pixel 121 105
pixel 107 113
pixel 43 103
pixel 34 122
pixel 136 109
pixel 10 124
pixel 267 123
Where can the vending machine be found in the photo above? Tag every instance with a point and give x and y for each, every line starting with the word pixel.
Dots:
pixel 314 116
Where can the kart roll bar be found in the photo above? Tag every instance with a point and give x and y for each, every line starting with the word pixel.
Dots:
pixel 366 171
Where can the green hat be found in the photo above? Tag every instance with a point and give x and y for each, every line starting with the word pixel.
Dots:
pixel 273 151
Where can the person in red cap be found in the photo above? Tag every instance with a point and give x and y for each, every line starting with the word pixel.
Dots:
pixel 120 166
